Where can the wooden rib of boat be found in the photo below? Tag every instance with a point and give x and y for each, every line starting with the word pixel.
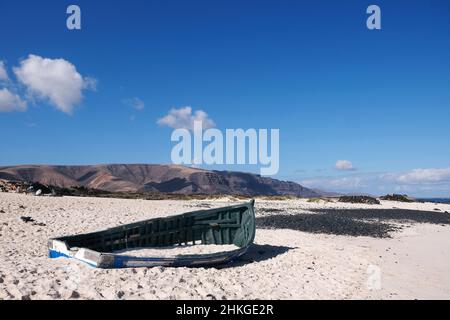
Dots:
pixel 220 226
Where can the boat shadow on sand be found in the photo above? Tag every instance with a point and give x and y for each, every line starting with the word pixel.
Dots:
pixel 377 223
pixel 256 253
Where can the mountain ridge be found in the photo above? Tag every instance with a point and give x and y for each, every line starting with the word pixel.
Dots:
pixel 164 178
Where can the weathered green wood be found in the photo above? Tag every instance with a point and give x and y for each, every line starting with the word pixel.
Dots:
pixel 228 225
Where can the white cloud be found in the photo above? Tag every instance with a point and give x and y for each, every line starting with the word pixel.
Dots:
pixel 184 118
pixel 56 80
pixel 90 83
pixel 335 183
pixel 11 102
pixel 419 182
pixel 3 73
pixel 135 103
pixel 344 165
pixel 425 176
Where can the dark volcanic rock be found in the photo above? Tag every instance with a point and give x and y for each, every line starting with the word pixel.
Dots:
pixel 27 219
pixel 34 222
pixel 397 197
pixel 39 186
pixel 359 199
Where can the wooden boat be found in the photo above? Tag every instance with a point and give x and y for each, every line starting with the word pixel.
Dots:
pixel 227 225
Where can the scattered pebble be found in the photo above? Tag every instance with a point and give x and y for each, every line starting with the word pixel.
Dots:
pixel 27 219
pixel 30 219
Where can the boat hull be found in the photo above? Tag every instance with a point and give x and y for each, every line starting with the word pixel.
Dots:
pixel 220 226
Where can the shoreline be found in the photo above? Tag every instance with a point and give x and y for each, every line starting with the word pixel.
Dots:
pixel 323 252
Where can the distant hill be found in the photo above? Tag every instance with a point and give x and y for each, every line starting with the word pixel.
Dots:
pixel 154 178
pixel 328 194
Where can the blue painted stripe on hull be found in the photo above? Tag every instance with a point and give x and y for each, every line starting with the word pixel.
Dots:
pixel 56 254
pixel 127 261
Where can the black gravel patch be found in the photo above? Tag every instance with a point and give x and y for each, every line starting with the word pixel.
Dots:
pixel 377 223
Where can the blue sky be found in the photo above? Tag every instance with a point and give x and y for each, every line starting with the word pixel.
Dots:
pixel 379 99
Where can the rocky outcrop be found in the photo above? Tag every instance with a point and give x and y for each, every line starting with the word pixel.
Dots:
pixel 359 199
pixel 397 197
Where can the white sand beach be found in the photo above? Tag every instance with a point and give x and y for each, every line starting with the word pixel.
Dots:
pixel 302 250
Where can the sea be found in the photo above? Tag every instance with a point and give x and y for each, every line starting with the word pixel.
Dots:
pixel 435 200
